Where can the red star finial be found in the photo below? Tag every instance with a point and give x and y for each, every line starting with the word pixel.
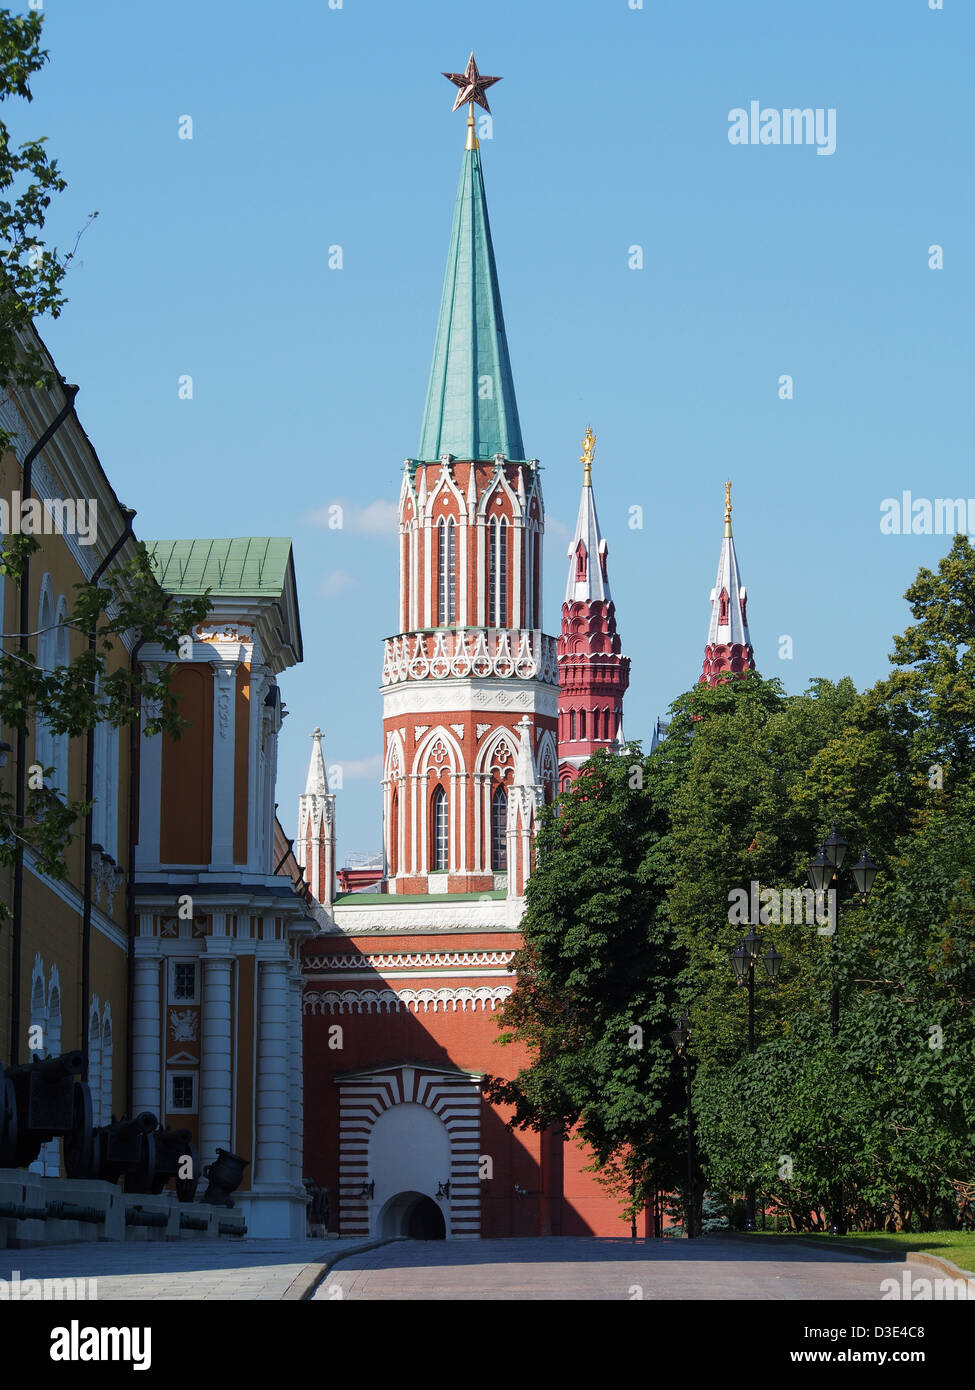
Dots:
pixel 472 85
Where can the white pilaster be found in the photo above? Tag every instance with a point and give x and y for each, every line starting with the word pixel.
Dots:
pixel 273 1066
pixel 146 1032
pixel 216 1055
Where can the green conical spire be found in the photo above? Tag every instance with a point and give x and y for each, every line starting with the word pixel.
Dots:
pixel 471 410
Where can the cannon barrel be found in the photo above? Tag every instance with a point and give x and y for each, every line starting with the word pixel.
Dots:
pixel 135 1216
pixel 50 1068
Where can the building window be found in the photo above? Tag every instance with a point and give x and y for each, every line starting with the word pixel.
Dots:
pixel 582 723
pixel 572 723
pixel 498 574
pixel 447 574
pixel 499 830
pixel 184 982
pixel 441 828
pixel 723 609
pixel 581 562
pixel 394 833
pixel 182 1091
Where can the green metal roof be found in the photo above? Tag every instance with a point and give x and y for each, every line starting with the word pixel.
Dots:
pixel 471 410
pixel 246 565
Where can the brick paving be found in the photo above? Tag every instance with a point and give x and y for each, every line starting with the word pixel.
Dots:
pixel 604 1269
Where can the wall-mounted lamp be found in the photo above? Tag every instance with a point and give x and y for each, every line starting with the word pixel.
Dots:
pixel 444 1189
pixel 5 750
pixel 368 1190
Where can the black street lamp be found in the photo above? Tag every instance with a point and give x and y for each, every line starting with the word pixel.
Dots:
pixel 743 960
pixel 823 873
pixel 681 1037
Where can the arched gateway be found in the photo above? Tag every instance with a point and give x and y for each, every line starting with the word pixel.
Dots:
pixel 409 1138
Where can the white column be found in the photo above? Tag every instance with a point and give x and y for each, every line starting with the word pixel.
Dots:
pixel 296 1078
pixel 517 616
pixel 146 1033
pixel 224 702
pixel 428 537
pixel 216 1054
pixel 273 1069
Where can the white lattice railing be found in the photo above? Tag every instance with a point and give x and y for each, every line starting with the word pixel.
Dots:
pixel 519 653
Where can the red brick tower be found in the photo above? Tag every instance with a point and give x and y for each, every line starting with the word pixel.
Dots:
pixel 729 646
pixel 593 676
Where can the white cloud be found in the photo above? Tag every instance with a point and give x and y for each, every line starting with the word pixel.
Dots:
pixel 359 769
pixel 557 530
pixel 379 518
pixel 336 583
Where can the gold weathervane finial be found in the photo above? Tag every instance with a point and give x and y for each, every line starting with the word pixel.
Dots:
pixel 588 449
pixel 727 509
pixel 473 86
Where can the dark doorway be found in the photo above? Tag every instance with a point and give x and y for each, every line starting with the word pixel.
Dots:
pixel 424 1221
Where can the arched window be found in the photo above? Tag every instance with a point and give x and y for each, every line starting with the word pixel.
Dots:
pixel 95 1064
pixel 723 609
pixel 581 562
pixel 498 575
pixel 582 723
pixel 62 656
pixel 38 1016
pixel 447 573
pixel 441 831
pixel 499 830
pixel 106 1097
pixel 572 723
pixel 394 832
pixel 43 738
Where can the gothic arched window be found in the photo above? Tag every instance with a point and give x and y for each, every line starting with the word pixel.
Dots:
pixel 581 562
pixel 499 830
pixel 498 575
pixel 394 833
pixel 447 574
pixel 439 859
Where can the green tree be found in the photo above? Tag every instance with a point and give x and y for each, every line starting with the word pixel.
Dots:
pixel 596 990
pixel 31 274
pixel 74 698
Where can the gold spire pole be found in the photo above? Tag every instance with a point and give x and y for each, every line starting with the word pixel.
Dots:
pixel 588 449
pixel 727 509
pixel 471 137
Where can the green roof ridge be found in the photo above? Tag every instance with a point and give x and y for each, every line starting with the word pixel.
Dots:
pixel 471 411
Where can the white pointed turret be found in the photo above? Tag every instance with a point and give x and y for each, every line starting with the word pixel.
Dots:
pixel 315 845
pixel 588 577
pixel 524 799
pixel 316 783
pixel 729 646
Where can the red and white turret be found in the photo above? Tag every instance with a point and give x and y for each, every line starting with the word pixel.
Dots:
pixel 729 647
pixel 315 845
pixel 593 675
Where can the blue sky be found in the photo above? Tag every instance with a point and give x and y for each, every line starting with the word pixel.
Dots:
pixel 315 127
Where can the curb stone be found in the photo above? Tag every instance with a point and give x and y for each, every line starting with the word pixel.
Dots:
pixel 914 1257
pixel 305 1285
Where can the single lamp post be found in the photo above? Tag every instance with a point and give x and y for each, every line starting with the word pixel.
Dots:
pixel 823 874
pixel 681 1037
pixel 743 959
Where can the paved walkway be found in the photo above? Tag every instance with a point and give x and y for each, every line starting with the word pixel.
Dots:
pixel 492 1270
pixel 170 1269
pixel 564 1268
